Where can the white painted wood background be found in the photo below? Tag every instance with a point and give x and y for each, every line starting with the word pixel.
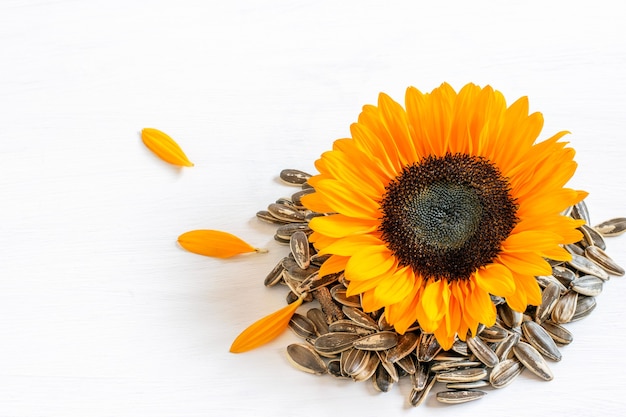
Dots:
pixel 101 314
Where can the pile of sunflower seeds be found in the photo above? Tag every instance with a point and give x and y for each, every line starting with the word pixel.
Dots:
pixel 345 342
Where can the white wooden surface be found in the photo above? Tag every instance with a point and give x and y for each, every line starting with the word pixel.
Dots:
pixel 101 314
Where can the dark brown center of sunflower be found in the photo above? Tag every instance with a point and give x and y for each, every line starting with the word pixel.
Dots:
pixel 445 217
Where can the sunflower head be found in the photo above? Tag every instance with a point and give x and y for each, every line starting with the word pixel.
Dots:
pixel 442 203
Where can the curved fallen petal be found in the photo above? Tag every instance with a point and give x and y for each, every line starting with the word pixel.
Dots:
pixel 215 243
pixel 164 147
pixel 265 329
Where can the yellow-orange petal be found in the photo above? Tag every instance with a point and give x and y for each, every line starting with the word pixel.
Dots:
pixel 215 243
pixel 496 279
pixel 164 147
pixel 266 329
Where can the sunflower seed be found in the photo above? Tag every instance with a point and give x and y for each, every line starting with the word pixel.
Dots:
pixel 297 197
pixel 390 367
pixel 382 380
pixel 377 341
pixel 354 361
pixel 454 365
pixel 549 298
pixel 460 347
pixel 504 347
pixel 427 347
pixel 360 318
pixel 338 292
pixel 493 334
pixel 294 176
pixel 510 317
pixel 545 280
pixel 467 385
pixel 565 308
pixel 408 364
pixel 462 375
pixel 286 230
pixel 335 342
pixel 315 281
pixel 612 227
pixel 458 397
pixel 564 275
pixel 298 274
pixel 539 338
pixel 557 332
pixel 318 319
pixel 369 369
pixel 598 256
pixel 299 245
pixel 587 285
pixel 334 368
pixel 584 306
pixel 275 275
pixel 304 358
pixel 267 217
pixel 417 397
pixel 420 377
pixel 587 266
pixel 505 372
pixel 406 344
pixel 575 249
pixel 302 326
pixel 580 211
pixel 482 351
pixel 285 213
pixel 348 326
pixel 318 260
pixel 591 237
pixel 532 360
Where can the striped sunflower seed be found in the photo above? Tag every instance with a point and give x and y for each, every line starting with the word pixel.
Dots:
pixel 539 338
pixel 505 372
pixel 587 285
pixel 612 227
pixel 532 360
pixel 304 358
pixel 600 257
pixel 458 397
pixel 294 176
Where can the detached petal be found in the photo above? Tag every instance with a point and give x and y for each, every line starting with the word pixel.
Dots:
pixel 164 147
pixel 215 243
pixel 266 329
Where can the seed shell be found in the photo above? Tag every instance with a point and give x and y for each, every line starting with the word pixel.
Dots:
pixel 588 285
pixel 377 341
pixel 458 397
pixel 462 375
pixel 335 342
pixel 304 358
pixel 294 176
pixel 612 227
pixel 505 372
pixel 532 359
pixel 539 338
pixel 417 397
pixel 600 257
pixel 482 351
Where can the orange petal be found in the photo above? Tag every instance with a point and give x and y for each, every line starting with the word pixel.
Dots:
pixel 266 329
pixel 215 243
pixel 164 147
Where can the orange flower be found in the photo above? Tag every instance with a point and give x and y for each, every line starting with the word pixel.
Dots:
pixel 443 203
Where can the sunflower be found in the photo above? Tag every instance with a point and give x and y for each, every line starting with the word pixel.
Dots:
pixel 438 206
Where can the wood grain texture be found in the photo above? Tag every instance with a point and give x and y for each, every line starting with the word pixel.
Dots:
pixel 102 314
